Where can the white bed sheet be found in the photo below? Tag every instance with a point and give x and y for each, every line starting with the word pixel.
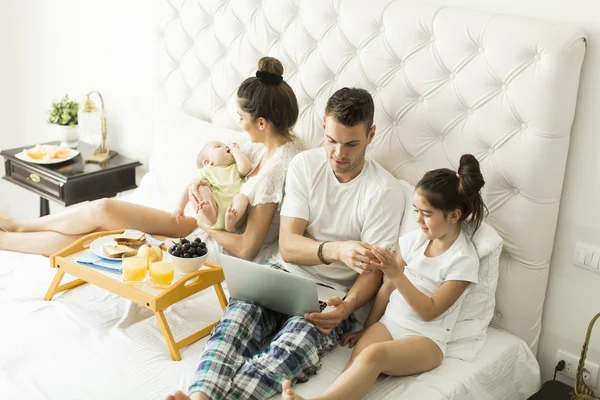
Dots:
pixel 90 344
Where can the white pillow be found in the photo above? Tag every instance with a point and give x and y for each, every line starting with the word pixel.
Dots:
pixel 477 309
pixel 177 140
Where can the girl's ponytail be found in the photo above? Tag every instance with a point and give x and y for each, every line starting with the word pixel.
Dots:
pixel 449 190
pixel 470 182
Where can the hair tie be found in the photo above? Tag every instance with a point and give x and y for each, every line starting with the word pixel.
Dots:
pixel 269 77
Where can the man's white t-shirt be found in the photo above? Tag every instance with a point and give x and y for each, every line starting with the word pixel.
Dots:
pixel 369 208
pixel 459 263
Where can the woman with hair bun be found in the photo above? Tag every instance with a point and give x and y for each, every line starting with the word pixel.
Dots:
pixel 268 110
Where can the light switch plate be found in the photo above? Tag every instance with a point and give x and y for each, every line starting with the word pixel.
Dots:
pixel 587 256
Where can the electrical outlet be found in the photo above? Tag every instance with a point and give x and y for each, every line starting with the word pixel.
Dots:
pixel 590 374
pixel 590 369
pixel 571 361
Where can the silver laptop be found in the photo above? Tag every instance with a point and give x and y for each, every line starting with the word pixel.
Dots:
pixel 273 288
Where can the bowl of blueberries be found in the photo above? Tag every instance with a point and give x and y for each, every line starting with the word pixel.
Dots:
pixel 188 255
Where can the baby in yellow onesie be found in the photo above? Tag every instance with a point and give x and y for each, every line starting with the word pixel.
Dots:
pixel 221 204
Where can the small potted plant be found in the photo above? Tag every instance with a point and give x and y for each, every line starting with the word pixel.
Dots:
pixel 63 114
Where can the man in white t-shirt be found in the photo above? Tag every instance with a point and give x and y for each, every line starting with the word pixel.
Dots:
pixel 337 204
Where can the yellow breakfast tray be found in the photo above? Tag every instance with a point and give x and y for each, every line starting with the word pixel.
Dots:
pixel 154 299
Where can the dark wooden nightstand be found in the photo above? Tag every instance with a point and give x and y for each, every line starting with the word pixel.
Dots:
pixel 72 181
pixel 553 390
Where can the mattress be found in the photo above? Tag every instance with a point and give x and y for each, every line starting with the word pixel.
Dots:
pixel 90 344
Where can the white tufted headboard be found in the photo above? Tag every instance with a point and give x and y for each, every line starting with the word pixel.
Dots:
pixel 446 81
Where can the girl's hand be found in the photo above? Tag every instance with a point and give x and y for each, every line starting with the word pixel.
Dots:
pixel 351 338
pixel 386 261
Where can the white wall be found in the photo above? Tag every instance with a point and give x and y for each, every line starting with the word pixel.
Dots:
pixel 45 54
pixel 53 48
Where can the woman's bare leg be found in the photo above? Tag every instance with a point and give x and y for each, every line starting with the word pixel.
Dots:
pixel 44 243
pixel 108 214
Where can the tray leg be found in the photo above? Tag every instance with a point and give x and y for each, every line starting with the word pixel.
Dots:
pixel 195 336
pixel 221 295
pixel 55 282
pixel 164 327
pixel 55 288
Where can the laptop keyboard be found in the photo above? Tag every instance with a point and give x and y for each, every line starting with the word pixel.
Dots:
pixel 322 305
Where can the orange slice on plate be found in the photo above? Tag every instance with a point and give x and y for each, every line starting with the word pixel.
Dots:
pixel 47 152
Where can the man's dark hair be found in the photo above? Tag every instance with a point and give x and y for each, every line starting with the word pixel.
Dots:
pixel 351 106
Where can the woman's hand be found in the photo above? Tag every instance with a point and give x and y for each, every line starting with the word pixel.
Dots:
pixel 204 227
pixel 351 338
pixel 386 261
pixel 178 215
pixel 194 193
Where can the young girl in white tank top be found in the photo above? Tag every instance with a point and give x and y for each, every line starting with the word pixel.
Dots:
pixel 425 283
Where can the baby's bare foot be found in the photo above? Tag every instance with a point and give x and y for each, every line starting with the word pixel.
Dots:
pixel 288 393
pixel 178 395
pixel 231 218
pixel 209 212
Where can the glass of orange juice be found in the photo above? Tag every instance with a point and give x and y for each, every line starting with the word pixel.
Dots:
pixel 134 269
pixel 161 274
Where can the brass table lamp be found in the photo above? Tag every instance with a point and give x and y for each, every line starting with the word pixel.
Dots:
pixel 102 153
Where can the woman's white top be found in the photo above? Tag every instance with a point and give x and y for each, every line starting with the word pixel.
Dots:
pixel 267 186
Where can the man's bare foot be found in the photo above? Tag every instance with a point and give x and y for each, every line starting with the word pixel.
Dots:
pixel 178 395
pixel 209 212
pixel 231 218
pixel 287 392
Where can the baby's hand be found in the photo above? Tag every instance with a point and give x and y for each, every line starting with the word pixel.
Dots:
pixel 178 215
pixel 386 261
pixel 351 338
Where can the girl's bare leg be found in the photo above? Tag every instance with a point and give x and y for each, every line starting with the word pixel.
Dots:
pixel 44 243
pixel 374 334
pixel 235 211
pixel 407 356
pixel 108 214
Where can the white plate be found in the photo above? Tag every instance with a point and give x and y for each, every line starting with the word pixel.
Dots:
pixel 24 157
pixel 97 246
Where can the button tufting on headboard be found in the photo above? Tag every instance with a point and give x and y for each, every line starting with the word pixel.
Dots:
pixel 445 81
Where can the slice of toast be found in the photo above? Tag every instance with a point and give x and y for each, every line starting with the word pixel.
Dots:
pixel 131 239
pixel 118 251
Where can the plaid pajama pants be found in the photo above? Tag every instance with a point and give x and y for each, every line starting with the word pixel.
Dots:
pixel 234 365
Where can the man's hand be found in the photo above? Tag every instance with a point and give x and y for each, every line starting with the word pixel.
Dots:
pixel 326 321
pixel 178 215
pixel 351 338
pixel 194 193
pixel 386 262
pixel 357 256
